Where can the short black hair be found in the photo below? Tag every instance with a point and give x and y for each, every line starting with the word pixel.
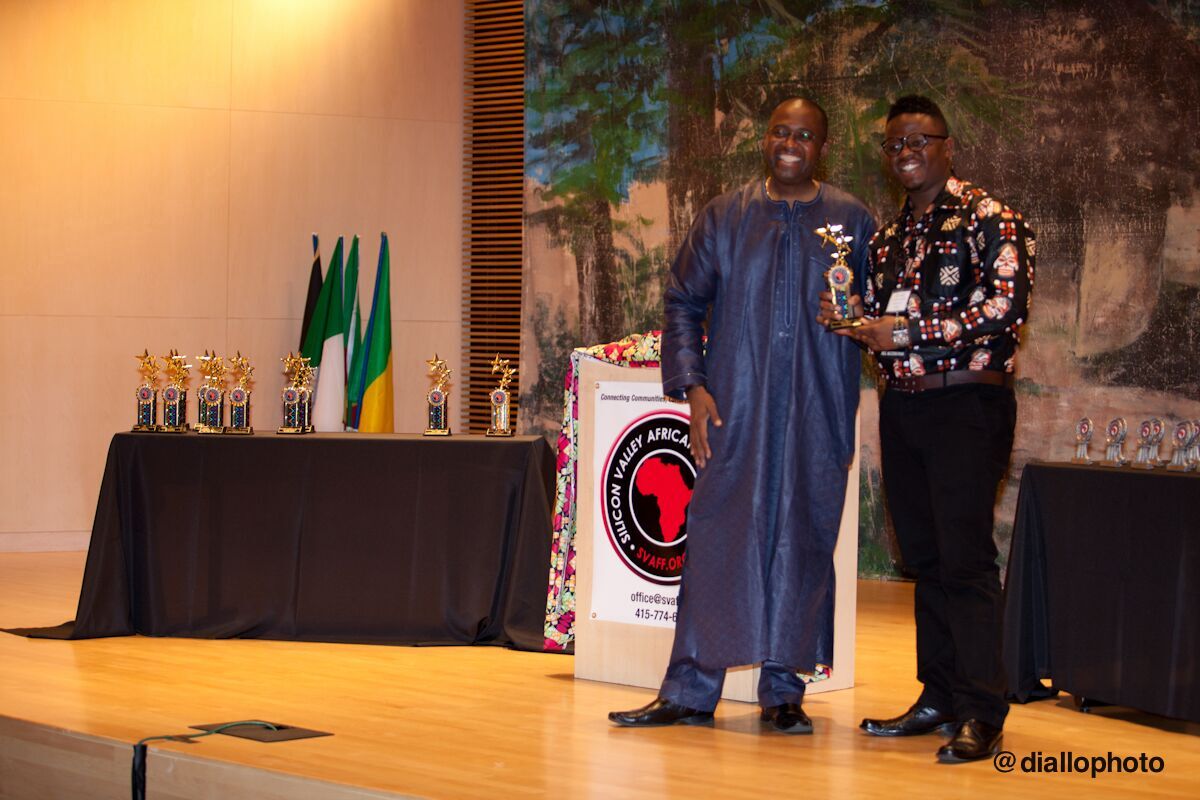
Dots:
pixel 806 99
pixel 917 104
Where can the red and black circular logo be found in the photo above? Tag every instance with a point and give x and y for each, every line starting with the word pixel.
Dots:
pixel 647 482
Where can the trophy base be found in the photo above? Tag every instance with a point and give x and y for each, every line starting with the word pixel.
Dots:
pixel 838 324
pixel 1180 467
pixel 1082 461
pixel 1121 463
pixel 145 429
pixel 437 432
pixel 498 433
pixel 240 431
pixel 1144 465
pixel 174 428
pixel 296 430
pixel 209 429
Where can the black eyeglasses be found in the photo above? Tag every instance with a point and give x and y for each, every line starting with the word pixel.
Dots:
pixel 915 141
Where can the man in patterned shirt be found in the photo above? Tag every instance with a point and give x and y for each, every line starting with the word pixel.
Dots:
pixel 948 291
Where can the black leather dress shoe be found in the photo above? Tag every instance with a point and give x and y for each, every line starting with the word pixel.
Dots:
pixel 972 741
pixel 660 712
pixel 788 718
pixel 916 721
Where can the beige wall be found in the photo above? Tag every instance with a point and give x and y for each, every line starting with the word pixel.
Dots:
pixel 164 163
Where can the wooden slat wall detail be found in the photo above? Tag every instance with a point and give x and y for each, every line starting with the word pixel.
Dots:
pixel 493 210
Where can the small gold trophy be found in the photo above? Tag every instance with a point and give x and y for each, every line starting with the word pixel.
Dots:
pixel 210 399
pixel 500 398
pixel 438 398
pixel 1083 437
pixel 147 394
pixel 175 394
pixel 1158 431
pixel 1185 436
pixel 297 395
pixel 239 396
pixel 1114 455
pixel 839 277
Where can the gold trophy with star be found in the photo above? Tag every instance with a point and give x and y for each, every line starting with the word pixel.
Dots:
pixel 297 395
pixel 147 394
pixel 501 425
pixel 239 396
pixel 210 398
pixel 839 276
pixel 437 400
pixel 175 394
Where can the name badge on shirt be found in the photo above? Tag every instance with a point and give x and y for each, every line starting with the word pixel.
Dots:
pixel 898 302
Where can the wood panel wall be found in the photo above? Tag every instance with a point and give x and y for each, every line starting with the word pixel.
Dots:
pixel 493 176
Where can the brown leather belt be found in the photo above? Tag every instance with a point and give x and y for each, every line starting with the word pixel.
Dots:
pixel 940 380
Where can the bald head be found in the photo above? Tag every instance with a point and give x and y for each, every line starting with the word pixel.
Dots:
pixel 797 103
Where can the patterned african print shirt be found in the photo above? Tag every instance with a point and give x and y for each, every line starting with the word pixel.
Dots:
pixel 968 267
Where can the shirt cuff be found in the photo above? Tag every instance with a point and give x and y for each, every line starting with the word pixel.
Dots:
pixel 676 388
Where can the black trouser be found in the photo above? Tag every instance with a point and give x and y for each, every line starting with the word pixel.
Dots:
pixel 944 453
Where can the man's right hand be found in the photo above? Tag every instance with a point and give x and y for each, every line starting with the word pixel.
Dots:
pixel 830 313
pixel 704 408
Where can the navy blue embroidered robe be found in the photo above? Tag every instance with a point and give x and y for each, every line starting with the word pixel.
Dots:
pixel 758 583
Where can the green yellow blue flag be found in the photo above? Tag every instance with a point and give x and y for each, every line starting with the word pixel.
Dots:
pixel 375 409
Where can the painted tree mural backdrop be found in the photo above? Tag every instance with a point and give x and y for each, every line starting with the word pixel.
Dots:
pixel 1082 115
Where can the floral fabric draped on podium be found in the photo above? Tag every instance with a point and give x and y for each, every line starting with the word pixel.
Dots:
pixel 635 350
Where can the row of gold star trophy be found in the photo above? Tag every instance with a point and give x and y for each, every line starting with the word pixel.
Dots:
pixel 436 401
pixel 210 398
pixel 297 396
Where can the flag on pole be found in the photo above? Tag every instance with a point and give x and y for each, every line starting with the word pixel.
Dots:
pixel 314 290
pixel 325 347
pixel 352 316
pixel 375 409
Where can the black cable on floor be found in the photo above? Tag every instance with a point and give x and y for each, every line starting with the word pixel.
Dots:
pixel 138 770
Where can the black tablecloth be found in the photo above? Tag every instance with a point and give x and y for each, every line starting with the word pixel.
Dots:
pixel 328 537
pixel 1103 588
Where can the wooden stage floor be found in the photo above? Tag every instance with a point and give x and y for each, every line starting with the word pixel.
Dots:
pixel 487 722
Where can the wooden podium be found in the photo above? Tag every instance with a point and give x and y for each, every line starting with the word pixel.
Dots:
pixel 637 655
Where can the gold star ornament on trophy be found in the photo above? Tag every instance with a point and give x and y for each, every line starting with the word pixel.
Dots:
pixel 437 400
pixel 501 424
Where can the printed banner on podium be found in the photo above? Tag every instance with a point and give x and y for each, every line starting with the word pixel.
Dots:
pixel 644 479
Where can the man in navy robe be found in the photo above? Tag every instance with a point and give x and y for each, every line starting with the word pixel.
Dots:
pixel 773 402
